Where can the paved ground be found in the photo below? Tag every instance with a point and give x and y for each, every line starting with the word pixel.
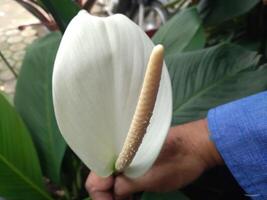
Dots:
pixel 13 41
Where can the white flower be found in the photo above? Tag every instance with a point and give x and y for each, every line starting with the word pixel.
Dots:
pixel 98 75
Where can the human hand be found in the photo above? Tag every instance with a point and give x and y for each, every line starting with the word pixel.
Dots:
pixel 186 154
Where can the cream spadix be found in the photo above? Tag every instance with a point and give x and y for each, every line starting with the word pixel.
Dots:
pixel 97 80
pixel 144 109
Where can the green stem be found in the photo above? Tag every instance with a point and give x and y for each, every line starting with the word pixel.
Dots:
pixel 8 65
pixel 181 4
pixel 78 177
pixel 171 4
pixel 67 194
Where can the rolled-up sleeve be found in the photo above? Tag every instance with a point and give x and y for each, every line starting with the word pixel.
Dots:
pixel 239 131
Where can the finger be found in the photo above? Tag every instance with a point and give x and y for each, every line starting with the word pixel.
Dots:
pixel 98 187
pixel 125 187
pixel 101 196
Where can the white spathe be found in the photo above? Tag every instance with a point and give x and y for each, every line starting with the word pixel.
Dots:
pixel 97 78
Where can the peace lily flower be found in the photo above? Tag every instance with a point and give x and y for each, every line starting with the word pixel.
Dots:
pixel 109 98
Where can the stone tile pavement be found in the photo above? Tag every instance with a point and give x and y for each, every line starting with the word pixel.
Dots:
pixel 13 41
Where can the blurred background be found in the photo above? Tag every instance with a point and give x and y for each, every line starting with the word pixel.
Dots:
pixel 22 21
pixel 13 40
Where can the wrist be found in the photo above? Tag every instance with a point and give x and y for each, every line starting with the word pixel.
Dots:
pixel 196 138
pixel 202 147
pixel 207 149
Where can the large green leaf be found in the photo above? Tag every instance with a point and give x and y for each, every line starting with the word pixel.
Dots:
pixel 62 11
pixel 164 196
pixel 183 32
pixel 20 174
pixel 218 11
pixel 206 78
pixel 33 100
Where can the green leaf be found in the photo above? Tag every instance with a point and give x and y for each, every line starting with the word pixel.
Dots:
pixel 215 12
pixel 207 78
pixel 164 196
pixel 33 100
pixel 88 198
pixel 62 11
pixel 183 32
pixel 20 173
pixel 250 44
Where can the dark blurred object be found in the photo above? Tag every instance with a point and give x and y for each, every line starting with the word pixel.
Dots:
pixel 148 14
pixel 40 12
pixel 217 183
pixel 54 14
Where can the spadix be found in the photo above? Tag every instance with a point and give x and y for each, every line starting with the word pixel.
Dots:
pixel 97 80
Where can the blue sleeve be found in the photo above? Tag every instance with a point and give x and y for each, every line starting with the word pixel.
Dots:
pixel 239 131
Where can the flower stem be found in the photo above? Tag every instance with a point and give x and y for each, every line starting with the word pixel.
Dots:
pixel 8 65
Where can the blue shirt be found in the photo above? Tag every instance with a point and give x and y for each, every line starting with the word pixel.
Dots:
pixel 239 131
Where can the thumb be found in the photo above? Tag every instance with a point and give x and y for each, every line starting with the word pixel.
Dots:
pixel 124 186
